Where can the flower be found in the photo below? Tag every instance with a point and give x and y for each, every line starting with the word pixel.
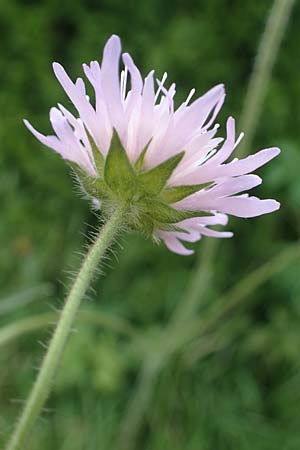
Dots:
pixel 167 166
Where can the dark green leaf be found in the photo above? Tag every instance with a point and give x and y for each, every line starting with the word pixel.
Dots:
pixel 154 180
pixel 176 193
pixel 95 187
pixel 118 171
pixel 139 163
pixel 164 213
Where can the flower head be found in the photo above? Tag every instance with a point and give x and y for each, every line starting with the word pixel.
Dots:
pixel 166 166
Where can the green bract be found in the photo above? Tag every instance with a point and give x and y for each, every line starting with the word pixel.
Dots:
pixel 145 194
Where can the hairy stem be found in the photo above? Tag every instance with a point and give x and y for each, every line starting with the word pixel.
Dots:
pixel 42 386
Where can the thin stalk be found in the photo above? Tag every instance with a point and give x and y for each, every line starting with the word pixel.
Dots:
pixel 262 69
pixel 201 277
pixel 248 285
pixel 197 286
pixel 12 331
pixel 251 111
pixel 20 299
pixel 42 386
pixel 137 407
pixel 235 296
pixel 176 337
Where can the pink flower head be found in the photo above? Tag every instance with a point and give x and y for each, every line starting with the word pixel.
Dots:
pixel 151 132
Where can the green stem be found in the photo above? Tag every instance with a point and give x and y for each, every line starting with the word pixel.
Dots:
pixel 42 386
pixel 262 69
pixel 265 59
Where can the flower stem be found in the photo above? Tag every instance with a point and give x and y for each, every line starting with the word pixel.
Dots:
pixel 42 386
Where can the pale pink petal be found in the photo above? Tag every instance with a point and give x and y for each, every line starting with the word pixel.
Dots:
pixel 216 234
pixel 49 141
pixel 245 206
pixel 234 186
pixel 175 245
pixel 93 74
pixel 228 146
pixel 146 123
pixel 111 83
pixel 80 101
pixel 235 168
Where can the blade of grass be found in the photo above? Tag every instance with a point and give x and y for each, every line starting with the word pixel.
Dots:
pixel 17 329
pixel 262 69
pixel 24 297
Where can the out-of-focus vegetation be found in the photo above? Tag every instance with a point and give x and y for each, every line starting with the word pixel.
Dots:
pixel 129 379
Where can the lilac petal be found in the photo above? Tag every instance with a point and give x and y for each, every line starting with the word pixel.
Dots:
pixel 79 131
pixel 190 120
pixel 146 123
pixel 217 234
pixel 73 149
pixel 207 173
pixel 49 141
pixel 175 245
pixel 249 164
pixel 228 146
pixel 111 83
pixel 195 222
pixel 74 92
pixel 215 112
pixel 80 85
pixel 206 199
pixel 246 206
pixel 234 186
pixel 132 131
pixel 136 78
pixel 93 74
pixel 80 101
pixel 198 111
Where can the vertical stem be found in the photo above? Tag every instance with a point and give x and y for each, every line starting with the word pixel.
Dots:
pixel 262 69
pixel 138 404
pixel 42 386
pixel 196 287
pixel 201 277
pixel 266 56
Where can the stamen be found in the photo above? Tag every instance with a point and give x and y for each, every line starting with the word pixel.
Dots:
pixel 192 92
pixel 239 140
pixel 206 157
pixel 124 75
pixel 160 85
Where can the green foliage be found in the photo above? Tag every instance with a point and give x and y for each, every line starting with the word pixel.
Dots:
pixel 238 388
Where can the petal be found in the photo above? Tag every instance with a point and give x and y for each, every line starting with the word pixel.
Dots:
pixel 208 172
pixel 49 141
pixel 228 146
pixel 249 164
pixel 111 83
pixel 175 245
pixel 80 101
pixel 246 206
pixel 146 123
pixel 216 234
pixel 233 186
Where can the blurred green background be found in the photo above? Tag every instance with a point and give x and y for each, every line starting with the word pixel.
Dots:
pixel 135 375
